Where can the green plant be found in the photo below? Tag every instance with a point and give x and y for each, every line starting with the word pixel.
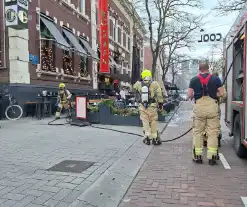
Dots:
pixel 108 102
pixel 92 108
pixel 163 112
pixel 125 111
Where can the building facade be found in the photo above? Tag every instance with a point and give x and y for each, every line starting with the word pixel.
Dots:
pixel 61 45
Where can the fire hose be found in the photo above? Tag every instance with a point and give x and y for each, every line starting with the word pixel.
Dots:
pixel 166 125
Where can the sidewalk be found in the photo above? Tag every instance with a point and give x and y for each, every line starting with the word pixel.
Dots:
pixel 169 178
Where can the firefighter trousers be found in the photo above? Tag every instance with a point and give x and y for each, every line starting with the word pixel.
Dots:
pixel 149 118
pixel 206 116
pixel 60 106
pixel 205 133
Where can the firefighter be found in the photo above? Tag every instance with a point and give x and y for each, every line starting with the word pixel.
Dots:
pixel 204 88
pixel 63 99
pixel 220 100
pixel 149 95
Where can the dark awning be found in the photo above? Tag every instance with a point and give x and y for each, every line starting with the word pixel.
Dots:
pixel 74 41
pixel 55 32
pixel 90 51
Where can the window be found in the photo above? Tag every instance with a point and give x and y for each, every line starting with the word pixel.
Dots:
pixel 111 28
pixel 97 16
pixel 124 39
pixel 82 6
pixel 68 59
pixel 128 43
pixel 115 31
pixel 119 35
pixel 47 49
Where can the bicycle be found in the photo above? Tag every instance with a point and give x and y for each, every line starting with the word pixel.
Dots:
pixel 13 109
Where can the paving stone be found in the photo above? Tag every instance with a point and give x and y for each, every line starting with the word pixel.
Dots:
pixel 72 196
pixel 43 198
pixel 25 201
pixel 84 185
pixel 6 190
pixel 8 203
pixel 21 188
pixel 61 194
pixel 33 192
pixel 25 158
pixel 12 196
pixel 34 205
pixel 51 203
pixel 68 179
pixel 50 188
pixel 169 178
pixel 66 185
pixel 62 204
pixel 77 181
pixel 39 184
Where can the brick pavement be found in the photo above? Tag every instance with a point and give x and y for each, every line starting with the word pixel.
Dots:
pixel 169 178
pixel 29 147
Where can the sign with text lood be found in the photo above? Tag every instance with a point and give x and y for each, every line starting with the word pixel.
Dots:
pixel 104 38
pixel 211 37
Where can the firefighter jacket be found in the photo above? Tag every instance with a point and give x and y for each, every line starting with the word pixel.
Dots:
pixel 154 92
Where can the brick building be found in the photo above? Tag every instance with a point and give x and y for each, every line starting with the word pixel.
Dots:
pixel 63 35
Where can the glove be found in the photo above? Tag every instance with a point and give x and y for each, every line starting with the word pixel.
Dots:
pixel 160 106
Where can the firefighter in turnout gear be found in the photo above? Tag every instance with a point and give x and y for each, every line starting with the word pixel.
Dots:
pixel 220 101
pixel 149 95
pixel 63 99
pixel 204 88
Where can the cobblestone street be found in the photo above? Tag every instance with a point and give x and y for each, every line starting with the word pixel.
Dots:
pixel 165 177
pixel 169 178
pixel 29 147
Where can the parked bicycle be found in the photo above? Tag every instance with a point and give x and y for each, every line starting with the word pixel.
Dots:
pixel 13 111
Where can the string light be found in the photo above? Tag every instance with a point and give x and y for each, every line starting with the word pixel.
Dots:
pixel 47 59
pixel 82 67
pixel 68 65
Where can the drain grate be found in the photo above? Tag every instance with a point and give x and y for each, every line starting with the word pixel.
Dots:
pixel 71 166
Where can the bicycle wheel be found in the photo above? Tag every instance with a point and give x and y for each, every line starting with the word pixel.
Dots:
pixel 13 112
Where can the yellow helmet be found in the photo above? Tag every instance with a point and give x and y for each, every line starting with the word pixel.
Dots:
pixel 61 85
pixel 146 73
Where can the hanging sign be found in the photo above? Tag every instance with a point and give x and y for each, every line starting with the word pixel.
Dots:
pixel 16 14
pixel 104 37
pixel 211 37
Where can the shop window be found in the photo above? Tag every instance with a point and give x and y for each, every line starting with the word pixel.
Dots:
pixel 83 67
pixel 47 49
pixel 68 59
pixel 119 35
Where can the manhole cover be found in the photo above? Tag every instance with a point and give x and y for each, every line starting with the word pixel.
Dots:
pixel 72 166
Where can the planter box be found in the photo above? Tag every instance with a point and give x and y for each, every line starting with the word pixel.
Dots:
pixel 93 117
pixel 167 107
pixel 161 117
pixel 107 118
